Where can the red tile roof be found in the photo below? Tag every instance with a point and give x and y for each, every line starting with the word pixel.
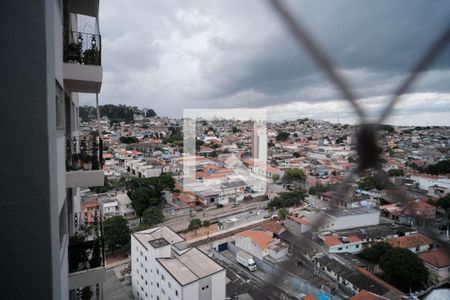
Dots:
pixel 261 238
pixel 310 297
pixel 410 241
pixel 273 226
pixel 365 295
pixel 379 281
pixel 437 257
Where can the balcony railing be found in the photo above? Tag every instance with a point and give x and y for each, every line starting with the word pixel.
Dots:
pixel 82 48
pixel 86 247
pixel 84 154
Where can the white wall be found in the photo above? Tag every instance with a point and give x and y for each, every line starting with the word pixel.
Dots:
pixel 251 247
pixel 353 221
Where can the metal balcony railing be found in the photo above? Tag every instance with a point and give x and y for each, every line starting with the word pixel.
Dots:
pixel 82 48
pixel 86 246
pixel 84 154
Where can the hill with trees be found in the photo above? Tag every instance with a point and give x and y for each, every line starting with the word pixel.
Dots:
pixel 115 113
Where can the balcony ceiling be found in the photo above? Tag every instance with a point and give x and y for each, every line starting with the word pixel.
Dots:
pixel 84 7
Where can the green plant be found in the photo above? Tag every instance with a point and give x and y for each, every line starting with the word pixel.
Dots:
pixel 91 56
pixel 73 52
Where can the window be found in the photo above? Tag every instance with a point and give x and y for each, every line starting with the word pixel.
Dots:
pixel 157 284
pixel 162 277
pixel 146 282
pixel 163 292
pixel 169 284
pixel 176 293
pixel 145 270
pixel 207 286
pixel 157 271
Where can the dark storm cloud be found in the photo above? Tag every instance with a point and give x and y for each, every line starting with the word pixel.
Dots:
pixel 171 55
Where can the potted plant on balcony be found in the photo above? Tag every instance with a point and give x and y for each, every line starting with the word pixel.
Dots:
pixel 73 49
pixel 92 56
pixel 76 162
pixel 87 162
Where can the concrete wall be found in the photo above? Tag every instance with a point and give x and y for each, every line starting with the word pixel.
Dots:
pixel 249 246
pixel 353 221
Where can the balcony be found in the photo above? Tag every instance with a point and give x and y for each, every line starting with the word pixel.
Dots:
pixel 82 69
pixel 86 255
pixel 84 162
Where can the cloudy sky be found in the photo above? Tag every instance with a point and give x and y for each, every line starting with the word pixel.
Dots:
pixel 170 55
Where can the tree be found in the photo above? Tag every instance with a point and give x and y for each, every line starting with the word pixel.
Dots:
pixel 129 139
pixel 150 113
pixel 194 225
pixel 370 183
pixel 444 202
pixel 294 176
pixel 142 198
pixel 152 216
pixel 296 154
pixel 374 253
pixel 288 199
pixel 116 233
pixel 395 173
pixel 388 128
pixel 206 223
pixel 275 177
pixel 442 167
pixel 320 188
pixel 283 212
pixel 404 269
pixel 282 135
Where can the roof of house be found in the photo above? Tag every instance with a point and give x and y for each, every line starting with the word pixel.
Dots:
pixel 90 203
pixel 261 238
pixel 310 297
pixel 366 295
pixel 410 241
pixel 333 240
pixel 436 257
pixel 272 226
pixel 299 220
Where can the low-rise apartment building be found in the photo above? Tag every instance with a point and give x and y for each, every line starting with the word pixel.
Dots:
pixel 163 267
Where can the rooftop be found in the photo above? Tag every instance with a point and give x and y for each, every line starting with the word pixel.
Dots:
pixel 437 257
pixel 190 266
pixel 410 241
pixel 159 243
pixel 261 238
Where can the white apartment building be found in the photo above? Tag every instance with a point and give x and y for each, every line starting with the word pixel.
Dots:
pixel 51 60
pixel 164 268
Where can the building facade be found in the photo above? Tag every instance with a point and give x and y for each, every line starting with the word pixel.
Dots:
pixel 46 67
pixel 164 268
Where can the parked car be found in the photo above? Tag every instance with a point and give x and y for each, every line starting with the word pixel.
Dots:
pixel 219 205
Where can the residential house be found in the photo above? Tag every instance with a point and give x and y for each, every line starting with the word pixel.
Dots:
pixel 437 260
pixel 260 244
pixel 416 243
